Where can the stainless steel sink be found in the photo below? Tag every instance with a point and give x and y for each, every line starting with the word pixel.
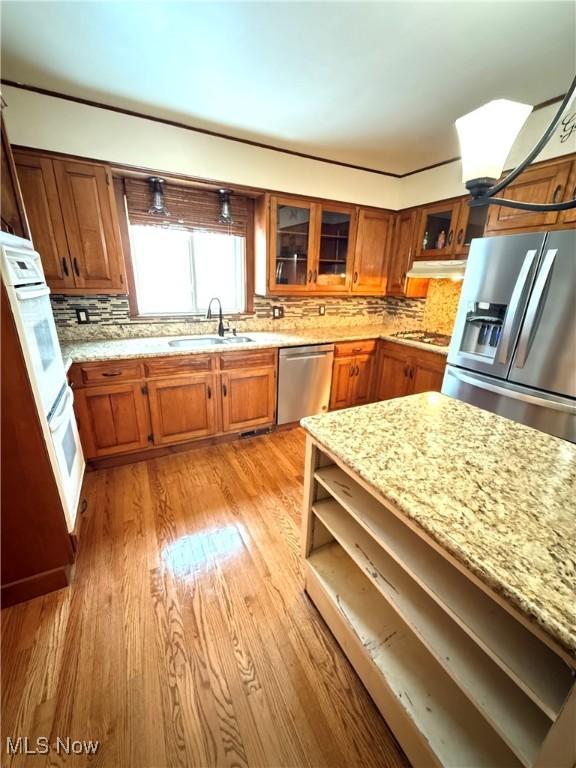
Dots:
pixel 202 341
pixel 208 341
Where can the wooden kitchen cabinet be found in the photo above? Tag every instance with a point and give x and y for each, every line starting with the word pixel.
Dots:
pixel 38 184
pixel 371 253
pixel 352 374
pixel 112 418
pixel 13 215
pixel 432 221
pixel 309 245
pixel 248 399
pixel 183 408
pixel 162 401
pixel 402 252
pixel 73 222
pixel 404 370
pixel 542 183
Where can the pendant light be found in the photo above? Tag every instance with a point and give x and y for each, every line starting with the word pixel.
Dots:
pixel 158 207
pixel 486 137
pixel 225 211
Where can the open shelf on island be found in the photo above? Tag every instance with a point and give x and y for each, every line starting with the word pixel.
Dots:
pixel 517 719
pixel 528 662
pixel 438 720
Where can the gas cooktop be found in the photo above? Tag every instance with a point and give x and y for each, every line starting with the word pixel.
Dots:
pixel 426 337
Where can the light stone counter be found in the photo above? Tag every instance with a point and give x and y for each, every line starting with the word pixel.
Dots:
pixel 499 496
pixel 117 349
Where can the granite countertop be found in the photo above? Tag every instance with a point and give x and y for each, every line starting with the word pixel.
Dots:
pixel 154 346
pixel 499 496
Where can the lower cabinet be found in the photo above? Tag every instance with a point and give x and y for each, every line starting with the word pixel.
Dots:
pixel 248 399
pixel 183 408
pixel 405 370
pixel 352 374
pixel 171 400
pixel 112 418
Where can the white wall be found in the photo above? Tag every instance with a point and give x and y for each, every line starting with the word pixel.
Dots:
pixel 45 122
pixel 55 124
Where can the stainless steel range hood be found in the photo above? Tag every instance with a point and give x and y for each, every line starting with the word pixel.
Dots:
pixel 438 269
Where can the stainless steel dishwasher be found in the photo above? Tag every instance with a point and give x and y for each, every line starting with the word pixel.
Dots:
pixel 304 379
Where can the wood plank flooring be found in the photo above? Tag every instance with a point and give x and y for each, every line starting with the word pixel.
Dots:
pixel 186 638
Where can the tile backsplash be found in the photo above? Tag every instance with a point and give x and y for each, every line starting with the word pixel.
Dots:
pixel 110 316
pixel 441 305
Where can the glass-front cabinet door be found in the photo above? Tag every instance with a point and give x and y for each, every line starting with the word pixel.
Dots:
pixel 292 224
pixel 437 231
pixel 337 231
pixel 471 223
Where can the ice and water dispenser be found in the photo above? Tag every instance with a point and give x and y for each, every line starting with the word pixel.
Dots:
pixel 483 328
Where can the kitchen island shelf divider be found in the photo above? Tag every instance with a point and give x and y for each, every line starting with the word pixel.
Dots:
pixel 486 671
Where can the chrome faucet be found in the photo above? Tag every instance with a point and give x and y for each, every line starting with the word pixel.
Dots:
pixel 221 328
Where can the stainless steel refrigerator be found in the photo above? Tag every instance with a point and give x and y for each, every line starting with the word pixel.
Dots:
pixel 513 350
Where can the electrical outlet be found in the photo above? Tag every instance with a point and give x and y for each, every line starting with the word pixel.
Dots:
pixel 322 309
pixel 277 313
pixel 82 316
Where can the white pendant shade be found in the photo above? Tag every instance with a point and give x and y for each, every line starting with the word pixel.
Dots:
pixel 486 137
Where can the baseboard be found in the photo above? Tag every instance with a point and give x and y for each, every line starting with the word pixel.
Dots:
pixel 34 586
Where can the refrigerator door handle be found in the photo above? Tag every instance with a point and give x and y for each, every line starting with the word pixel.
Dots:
pixel 516 298
pixel 481 383
pixel 527 335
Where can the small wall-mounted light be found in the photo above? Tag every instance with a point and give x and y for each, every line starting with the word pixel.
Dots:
pixel 225 211
pixel 158 207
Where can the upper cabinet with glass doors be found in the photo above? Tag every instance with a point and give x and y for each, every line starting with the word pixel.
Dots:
pixel 310 246
pixel 446 229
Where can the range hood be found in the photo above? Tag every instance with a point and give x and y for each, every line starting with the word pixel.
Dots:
pixel 439 269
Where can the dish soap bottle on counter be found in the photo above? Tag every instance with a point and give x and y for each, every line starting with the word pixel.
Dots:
pixel 425 241
pixel 441 242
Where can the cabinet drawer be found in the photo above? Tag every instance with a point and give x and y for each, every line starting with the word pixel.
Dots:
pixel 351 348
pixel 110 371
pixel 167 366
pixel 260 358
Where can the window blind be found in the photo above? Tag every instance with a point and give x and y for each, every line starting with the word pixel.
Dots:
pixel 189 208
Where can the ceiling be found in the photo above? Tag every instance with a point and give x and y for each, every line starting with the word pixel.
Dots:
pixel 375 84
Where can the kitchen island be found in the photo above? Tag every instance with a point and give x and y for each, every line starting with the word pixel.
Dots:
pixel 439 542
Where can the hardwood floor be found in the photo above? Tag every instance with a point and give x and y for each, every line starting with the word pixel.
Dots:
pixel 185 638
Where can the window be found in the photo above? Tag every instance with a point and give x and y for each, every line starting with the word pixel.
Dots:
pixel 182 259
pixel 178 271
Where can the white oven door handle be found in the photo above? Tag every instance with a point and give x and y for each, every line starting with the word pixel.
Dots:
pixel 23 294
pixel 58 419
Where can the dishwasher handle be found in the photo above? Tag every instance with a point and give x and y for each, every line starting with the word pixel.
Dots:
pixel 306 355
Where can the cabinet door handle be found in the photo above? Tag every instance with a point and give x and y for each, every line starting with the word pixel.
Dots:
pixel 460 237
pixel 450 235
pixel 209 392
pixel 355 280
pixel 112 373
pixel 76 267
pixel 224 390
pixel 574 194
pixel 406 369
pixel 315 275
pixel 357 370
pixel 411 372
pixel 65 266
pixel 556 193
pixel 309 275
pixel 351 371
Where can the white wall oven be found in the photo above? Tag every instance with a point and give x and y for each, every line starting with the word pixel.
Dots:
pixel 29 298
